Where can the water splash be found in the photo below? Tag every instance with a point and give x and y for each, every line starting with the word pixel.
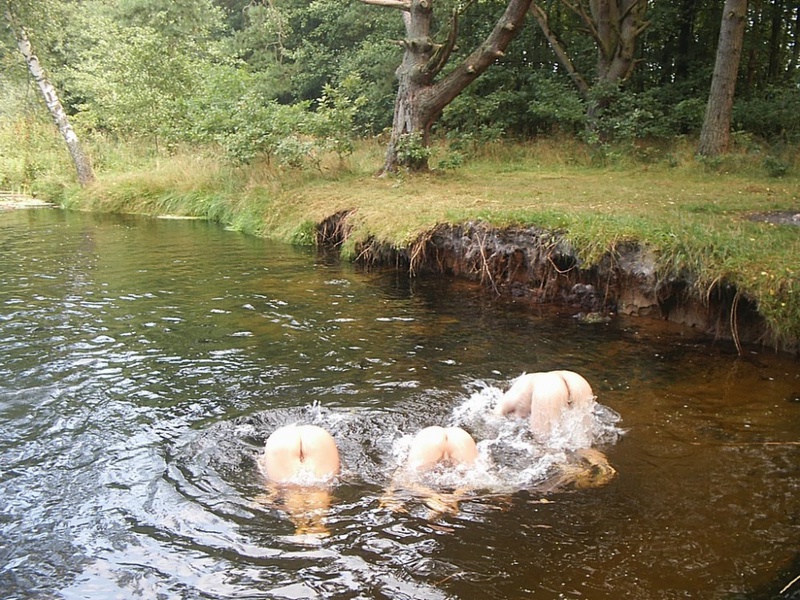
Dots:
pixel 510 457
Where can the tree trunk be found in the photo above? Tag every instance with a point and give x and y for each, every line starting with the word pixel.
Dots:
pixel 412 116
pixel 750 76
pixel 48 91
pixel 615 26
pixel 420 99
pixel 795 53
pixel 715 134
pixel 777 39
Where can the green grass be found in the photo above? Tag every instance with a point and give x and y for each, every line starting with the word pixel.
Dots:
pixel 692 214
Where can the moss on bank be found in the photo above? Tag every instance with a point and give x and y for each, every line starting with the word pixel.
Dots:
pixel 698 228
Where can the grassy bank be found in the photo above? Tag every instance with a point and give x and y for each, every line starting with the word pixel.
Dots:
pixel 694 215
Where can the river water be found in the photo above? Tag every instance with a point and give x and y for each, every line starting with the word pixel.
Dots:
pixel 144 363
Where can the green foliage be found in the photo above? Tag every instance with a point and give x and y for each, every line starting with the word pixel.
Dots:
pixel 622 115
pixel 175 20
pixel 497 105
pixel 411 150
pixel 261 42
pixel 333 122
pixel 453 160
pixel 303 235
pixel 686 116
pixel 170 71
pixel 257 129
pixel 30 150
pixel 132 80
pixel 555 106
pixel 303 47
pixel 234 111
pixel 372 62
pixel 775 166
pixel 773 114
pixel 711 164
pixel 222 90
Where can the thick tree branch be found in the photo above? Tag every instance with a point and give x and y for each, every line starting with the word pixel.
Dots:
pixel 481 59
pixel 443 51
pixel 631 7
pixel 398 4
pixel 420 100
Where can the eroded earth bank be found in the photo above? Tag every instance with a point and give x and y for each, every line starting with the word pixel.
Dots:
pixel 541 266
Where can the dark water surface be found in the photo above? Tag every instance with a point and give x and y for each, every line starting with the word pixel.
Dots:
pixel 143 363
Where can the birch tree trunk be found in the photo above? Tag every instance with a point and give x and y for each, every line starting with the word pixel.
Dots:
pixel 48 91
pixel 716 132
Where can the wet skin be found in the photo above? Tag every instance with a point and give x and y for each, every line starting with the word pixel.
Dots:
pixel 300 462
pixel 544 397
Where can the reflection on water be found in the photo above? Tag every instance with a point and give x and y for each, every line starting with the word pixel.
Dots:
pixel 145 362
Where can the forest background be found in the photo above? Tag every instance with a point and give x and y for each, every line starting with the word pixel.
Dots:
pixel 233 109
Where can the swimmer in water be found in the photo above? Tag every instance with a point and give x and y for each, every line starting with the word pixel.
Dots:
pixel 301 462
pixel 545 398
pixel 548 400
pixel 436 444
pixel 432 447
pixel 300 453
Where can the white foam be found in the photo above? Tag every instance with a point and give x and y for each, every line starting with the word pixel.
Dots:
pixel 510 456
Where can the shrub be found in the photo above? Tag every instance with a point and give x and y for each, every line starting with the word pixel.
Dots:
pixel 773 114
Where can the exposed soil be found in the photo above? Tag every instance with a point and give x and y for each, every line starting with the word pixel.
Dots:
pixel 540 266
pixel 778 217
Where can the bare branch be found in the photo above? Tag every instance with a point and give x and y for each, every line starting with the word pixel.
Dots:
pixel 398 4
pixel 579 10
pixel 642 28
pixel 637 5
pixel 559 49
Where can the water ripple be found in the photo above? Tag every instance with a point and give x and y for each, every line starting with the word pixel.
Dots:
pixel 145 363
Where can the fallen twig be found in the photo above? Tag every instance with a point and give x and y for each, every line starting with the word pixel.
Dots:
pixel 734 322
pixel 747 444
pixel 790 584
